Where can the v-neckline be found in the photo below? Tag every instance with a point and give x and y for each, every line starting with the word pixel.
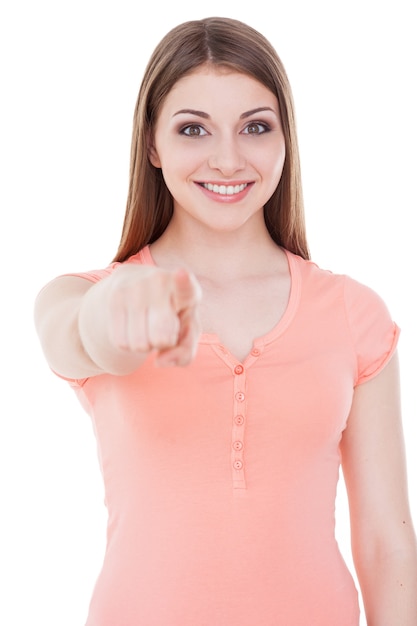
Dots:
pixel 281 325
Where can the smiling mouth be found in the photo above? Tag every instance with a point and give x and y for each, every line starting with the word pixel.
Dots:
pixel 224 190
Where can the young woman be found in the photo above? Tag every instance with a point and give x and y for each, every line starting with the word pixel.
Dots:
pixel 227 376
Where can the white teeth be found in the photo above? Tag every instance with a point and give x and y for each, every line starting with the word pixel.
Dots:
pixel 225 190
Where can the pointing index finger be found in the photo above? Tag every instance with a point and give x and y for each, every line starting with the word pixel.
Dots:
pixel 187 292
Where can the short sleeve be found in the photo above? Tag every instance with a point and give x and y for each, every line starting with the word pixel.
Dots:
pixel 95 276
pixel 374 334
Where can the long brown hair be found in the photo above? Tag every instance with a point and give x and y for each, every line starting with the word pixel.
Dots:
pixel 220 42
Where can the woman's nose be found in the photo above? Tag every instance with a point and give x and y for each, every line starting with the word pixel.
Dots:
pixel 227 157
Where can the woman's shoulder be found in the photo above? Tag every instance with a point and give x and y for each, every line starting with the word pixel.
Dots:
pixel 315 277
pixel 142 257
pixel 357 308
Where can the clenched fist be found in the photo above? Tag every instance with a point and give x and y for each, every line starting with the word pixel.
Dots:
pixel 153 309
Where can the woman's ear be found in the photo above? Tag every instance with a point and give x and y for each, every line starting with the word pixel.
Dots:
pixel 152 153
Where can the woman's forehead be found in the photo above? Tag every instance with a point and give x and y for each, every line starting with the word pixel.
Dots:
pixel 211 84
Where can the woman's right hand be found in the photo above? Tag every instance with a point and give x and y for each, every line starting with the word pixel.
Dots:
pixel 111 326
pixel 152 309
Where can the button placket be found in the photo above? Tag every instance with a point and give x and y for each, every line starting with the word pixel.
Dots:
pixel 238 428
pixel 240 400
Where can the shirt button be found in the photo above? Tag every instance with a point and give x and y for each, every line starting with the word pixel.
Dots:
pixel 255 352
pixel 237 445
pixel 239 419
pixel 239 369
pixel 237 465
pixel 240 396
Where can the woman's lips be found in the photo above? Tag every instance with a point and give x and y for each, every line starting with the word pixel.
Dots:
pixel 225 192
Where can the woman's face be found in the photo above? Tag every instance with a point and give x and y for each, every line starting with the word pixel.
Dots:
pixel 219 142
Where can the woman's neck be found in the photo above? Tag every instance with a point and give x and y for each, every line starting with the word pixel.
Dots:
pixel 219 255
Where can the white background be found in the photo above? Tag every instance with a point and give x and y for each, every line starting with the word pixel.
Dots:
pixel 70 72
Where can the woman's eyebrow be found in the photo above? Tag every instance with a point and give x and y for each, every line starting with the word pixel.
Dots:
pixel 258 110
pixel 193 112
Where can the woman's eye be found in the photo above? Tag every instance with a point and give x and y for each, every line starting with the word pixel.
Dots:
pixel 256 128
pixel 193 130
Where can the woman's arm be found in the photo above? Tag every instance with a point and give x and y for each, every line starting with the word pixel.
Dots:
pixel 383 539
pixel 87 329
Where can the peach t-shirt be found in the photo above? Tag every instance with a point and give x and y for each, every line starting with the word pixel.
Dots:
pixel 220 478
